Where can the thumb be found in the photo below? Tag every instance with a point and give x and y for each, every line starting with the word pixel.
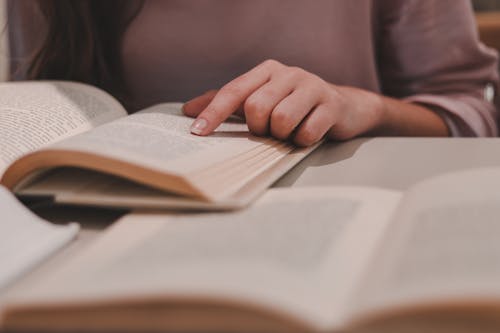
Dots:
pixel 193 108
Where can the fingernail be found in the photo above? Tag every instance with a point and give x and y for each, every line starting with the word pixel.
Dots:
pixel 198 126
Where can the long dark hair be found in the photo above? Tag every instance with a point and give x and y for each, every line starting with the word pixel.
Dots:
pixel 82 42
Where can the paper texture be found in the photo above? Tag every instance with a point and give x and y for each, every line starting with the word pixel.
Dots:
pixel 36 114
pixel 159 138
pixel 294 251
pixel 443 245
pixel 25 239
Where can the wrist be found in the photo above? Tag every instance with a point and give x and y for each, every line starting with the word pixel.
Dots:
pixel 400 118
pixel 371 110
pixel 363 112
pixel 383 115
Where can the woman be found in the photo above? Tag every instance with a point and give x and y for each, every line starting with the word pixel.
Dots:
pixel 339 69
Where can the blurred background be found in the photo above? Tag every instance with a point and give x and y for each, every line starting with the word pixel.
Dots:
pixel 486 5
pixel 488 21
pixel 487 15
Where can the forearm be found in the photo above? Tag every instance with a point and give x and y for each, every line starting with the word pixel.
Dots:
pixel 365 113
pixel 398 118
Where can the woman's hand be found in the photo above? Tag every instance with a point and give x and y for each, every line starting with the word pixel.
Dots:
pixel 289 103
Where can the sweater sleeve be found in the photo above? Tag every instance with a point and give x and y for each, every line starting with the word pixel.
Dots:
pixel 430 53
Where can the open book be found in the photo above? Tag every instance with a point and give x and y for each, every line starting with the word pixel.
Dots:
pixel 298 260
pixel 76 144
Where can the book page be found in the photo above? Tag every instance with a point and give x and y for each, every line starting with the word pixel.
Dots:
pixel 159 138
pixel 298 252
pixel 25 239
pixel 442 247
pixel 38 113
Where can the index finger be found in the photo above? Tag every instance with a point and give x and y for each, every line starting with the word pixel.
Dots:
pixel 229 98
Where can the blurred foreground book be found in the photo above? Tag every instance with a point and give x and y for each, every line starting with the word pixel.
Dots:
pixel 298 260
pixel 26 239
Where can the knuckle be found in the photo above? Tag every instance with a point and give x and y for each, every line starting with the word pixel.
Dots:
pixel 252 107
pixel 280 117
pixel 281 124
pixel 267 94
pixel 271 63
pixel 256 117
pixel 306 137
pixel 261 102
pixel 296 72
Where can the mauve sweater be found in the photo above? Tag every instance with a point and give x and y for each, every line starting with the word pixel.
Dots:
pixel 422 51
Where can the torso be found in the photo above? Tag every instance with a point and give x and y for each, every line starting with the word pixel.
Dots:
pixel 177 49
